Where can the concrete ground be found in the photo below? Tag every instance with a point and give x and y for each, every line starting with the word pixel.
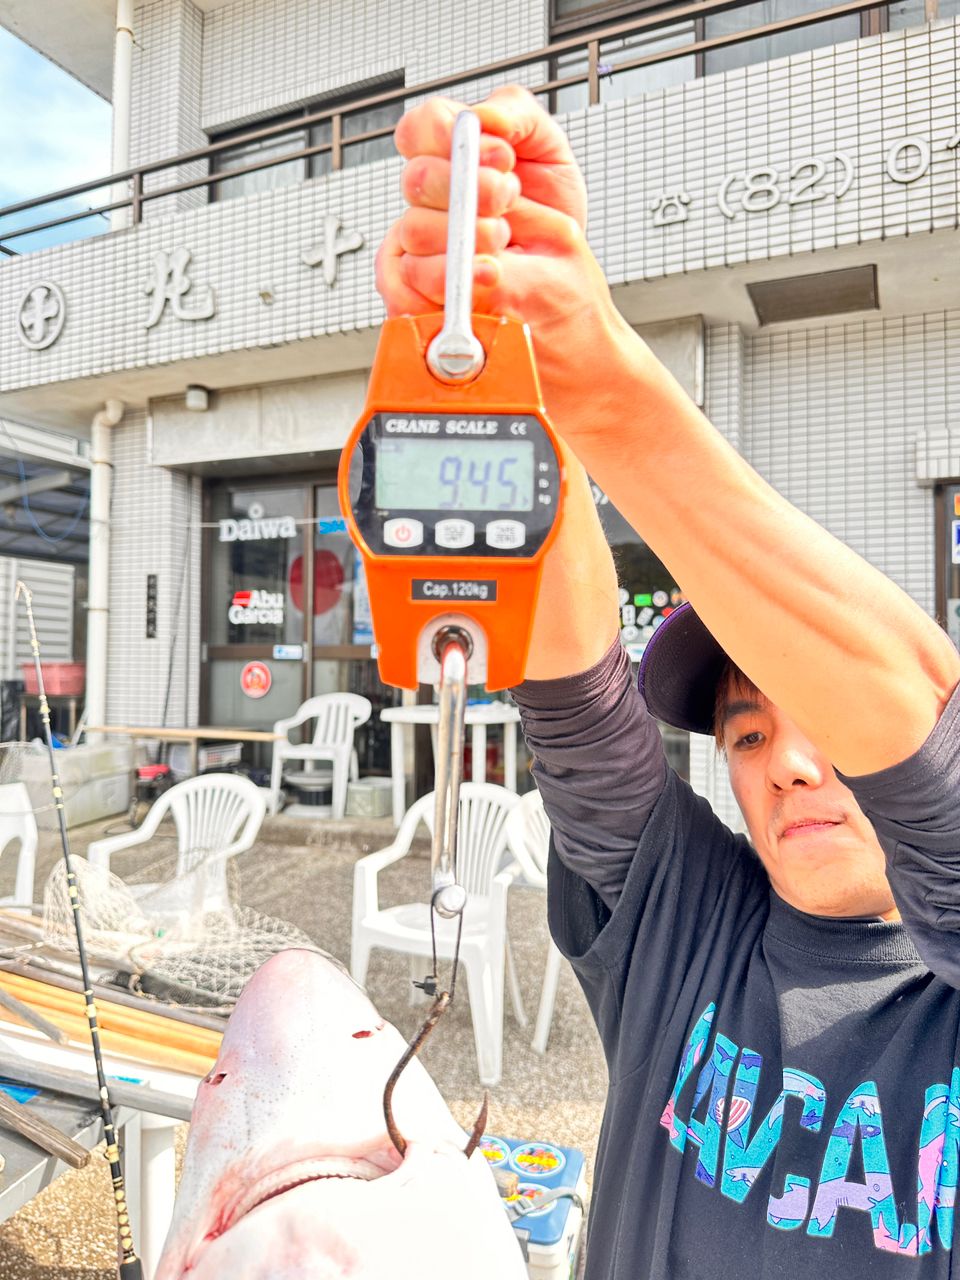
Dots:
pixel 302 872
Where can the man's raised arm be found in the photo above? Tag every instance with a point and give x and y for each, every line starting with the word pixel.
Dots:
pixel 827 637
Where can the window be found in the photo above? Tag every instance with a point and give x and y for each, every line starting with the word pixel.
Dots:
pixel 575 13
pixel 617 79
pixel 355 147
pixel 246 153
pixel 780 45
pixel 616 84
pixel 914 13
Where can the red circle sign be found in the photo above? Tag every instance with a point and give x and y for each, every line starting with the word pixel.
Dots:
pixel 255 679
pixel 327 581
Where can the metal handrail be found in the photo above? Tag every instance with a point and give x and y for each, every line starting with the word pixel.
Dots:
pixel 591 76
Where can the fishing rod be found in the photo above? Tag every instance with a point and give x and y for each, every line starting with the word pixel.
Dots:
pixel 130 1267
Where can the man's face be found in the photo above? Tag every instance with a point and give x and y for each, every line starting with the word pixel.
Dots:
pixel 820 851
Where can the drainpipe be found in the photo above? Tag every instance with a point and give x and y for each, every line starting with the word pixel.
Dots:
pixel 98 591
pixel 122 82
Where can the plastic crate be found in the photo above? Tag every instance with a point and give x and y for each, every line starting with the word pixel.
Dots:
pixel 220 756
pixel 60 679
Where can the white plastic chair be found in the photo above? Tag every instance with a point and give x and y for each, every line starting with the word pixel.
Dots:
pixel 338 715
pixel 481 844
pixel 528 837
pixel 216 816
pixel 18 823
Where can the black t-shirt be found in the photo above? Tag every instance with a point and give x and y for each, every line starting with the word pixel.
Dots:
pixel 784 1095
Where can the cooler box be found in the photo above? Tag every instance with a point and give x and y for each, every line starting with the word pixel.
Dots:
pixel 98 780
pixel 550 1237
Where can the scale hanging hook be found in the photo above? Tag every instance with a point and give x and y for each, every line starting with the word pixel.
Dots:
pixel 456 354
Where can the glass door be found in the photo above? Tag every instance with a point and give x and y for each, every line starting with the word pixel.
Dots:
pixel 286 612
pixel 256 561
pixel 343 656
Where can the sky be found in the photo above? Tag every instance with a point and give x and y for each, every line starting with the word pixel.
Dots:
pixel 56 134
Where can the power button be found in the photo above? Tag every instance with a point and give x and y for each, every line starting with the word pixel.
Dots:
pixel 403 532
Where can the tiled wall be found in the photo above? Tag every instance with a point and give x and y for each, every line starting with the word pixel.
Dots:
pixel 237 248
pixel 831 417
pixel 760 135
pixel 155 529
pixel 834 415
pixel 842 107
pixel 320 48
pixel 165 106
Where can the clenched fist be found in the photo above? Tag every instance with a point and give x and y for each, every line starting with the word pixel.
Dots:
pixel 532 260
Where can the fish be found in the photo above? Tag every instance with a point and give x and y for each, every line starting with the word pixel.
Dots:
pixel 289 1172
pixel 790 1209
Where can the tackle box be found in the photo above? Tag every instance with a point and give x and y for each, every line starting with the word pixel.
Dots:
pixel 550 1237
pixel 98 779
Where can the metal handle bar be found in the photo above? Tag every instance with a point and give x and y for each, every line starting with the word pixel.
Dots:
pixel 456 354
pixel 449 897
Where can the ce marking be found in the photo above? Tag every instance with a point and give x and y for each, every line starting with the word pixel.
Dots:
pixel 518 428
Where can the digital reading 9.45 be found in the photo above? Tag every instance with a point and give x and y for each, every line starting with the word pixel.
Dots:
pixel 455 475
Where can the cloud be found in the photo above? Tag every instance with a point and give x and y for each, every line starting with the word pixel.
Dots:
pixel 56 131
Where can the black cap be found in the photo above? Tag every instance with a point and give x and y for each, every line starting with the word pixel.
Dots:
pixel 680 670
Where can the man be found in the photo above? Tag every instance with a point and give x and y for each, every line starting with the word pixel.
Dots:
pixel 780 1017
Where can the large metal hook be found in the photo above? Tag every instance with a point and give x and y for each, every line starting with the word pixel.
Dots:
pixel 412 1051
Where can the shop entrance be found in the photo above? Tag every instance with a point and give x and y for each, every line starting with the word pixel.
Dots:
pixel 285 609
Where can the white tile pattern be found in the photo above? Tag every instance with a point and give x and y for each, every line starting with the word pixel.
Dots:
pixel 711 139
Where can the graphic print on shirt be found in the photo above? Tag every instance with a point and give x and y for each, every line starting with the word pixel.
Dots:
pixel 734 1146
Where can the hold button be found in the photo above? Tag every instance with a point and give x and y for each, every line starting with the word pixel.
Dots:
pixel 454 533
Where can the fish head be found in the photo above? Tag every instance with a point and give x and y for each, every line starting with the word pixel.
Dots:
pixel 289 1172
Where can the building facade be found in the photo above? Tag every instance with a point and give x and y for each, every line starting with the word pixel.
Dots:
pixel 774 200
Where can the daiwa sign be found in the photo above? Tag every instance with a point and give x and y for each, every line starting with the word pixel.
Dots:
pixel 257 530
pixel 257 527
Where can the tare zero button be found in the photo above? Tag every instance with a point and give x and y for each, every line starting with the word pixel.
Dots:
pixel 454 533
pixel 403 532
pixel 504 535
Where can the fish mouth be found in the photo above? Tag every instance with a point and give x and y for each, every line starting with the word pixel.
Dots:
pixel 313 1169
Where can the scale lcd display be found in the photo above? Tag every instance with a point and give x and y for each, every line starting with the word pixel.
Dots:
pixel 455 475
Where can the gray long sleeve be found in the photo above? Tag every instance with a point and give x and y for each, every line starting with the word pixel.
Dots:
pixel 599 765
pixel 915 809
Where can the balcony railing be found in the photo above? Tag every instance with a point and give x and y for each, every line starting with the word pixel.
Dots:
pixel 129 188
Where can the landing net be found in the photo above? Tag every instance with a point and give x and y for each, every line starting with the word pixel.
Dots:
pixel 160 938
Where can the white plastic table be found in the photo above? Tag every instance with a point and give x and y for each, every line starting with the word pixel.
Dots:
pixel 146 1141
pixel 478 719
